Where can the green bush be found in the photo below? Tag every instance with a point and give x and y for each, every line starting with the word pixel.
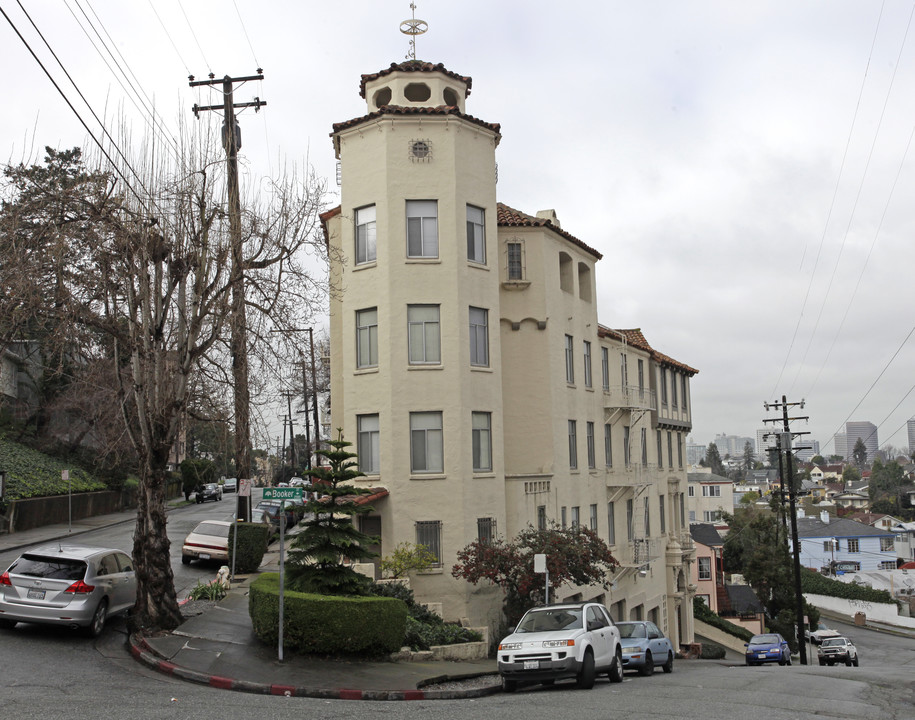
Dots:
pixel 207 591
pixel 252 544
pixel 703 612
pixel 817 584
pixel 424 627
pixel 711 651
pixel 326 624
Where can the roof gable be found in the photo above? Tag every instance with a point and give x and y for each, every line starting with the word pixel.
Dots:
pixel 509 217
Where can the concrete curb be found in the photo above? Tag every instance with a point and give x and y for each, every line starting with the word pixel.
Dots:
pixel 143 653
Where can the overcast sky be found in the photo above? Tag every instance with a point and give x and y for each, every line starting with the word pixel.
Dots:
pixel 742 167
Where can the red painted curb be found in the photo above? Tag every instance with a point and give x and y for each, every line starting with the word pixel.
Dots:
pixel 282 689
pixel 351 694
pixel 221 682
pixel 414 695
pixel 166 667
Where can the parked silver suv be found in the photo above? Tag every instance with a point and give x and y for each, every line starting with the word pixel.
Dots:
pixel 575 640
pixel 66 584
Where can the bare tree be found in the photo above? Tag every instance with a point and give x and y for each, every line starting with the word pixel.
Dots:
pixel 146 266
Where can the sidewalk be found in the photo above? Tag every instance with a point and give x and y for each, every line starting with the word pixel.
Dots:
pixel 219 648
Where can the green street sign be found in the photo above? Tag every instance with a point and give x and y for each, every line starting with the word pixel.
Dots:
pixel 281 493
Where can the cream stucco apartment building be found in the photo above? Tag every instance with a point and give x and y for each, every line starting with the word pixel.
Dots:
pixel 470 370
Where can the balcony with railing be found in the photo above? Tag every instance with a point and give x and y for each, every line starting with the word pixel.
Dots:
pixel 630 397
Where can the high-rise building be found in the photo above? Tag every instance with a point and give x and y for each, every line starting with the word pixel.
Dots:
pixel 840 443
pixel 910 426
pixel 865 431
pixel 469 368
pixel 763 443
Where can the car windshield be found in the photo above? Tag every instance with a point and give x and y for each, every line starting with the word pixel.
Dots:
pixel 210 486
pixel 833 641
pixel 632 630
pixel 52 568
pixel 764 640
pixel 551 620
pixel 211 528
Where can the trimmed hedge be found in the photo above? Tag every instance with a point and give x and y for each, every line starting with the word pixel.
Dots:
pixel 326 624
pixel 252 544
pixel 817 584
pixel 703 612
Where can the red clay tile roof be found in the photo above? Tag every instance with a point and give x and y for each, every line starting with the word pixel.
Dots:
pixel 414 66
pixel 509 217
pixel 325 216
pixel 635 338
pixel 401 110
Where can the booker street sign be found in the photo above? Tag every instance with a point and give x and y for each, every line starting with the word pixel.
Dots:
pixel 281 493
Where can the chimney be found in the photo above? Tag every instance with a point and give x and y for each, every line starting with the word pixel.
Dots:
pixel 824 517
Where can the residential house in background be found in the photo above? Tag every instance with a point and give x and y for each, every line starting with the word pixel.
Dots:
pixel 844 545
pixel 877 520
pixel 708 496
pixel 470 370
pixel 905 542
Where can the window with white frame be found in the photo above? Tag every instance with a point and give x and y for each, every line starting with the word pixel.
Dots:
pixel 711 491
pixel 423 335
pixel 608 445
pixel 366 250
pixel 476 237
pixel 611 523
pixel 541 517
pixel 887 565
pixel 587 353
pixel 515 260
pixel 605 368
pixel 830 546
pixel 422 228
pixel 570 359
pixel 853 545
pixel 429 535
pixel 426 448
pixel 589 431
pixel 712 515
pixel 704 565
pixel 594 518
pixel 576 516
pixel 486 530
pixel 479 337
pixel 482 441
pixel 367 338
pixel 368 444
pixel 692 491
pixel 886 544
pixel 573 444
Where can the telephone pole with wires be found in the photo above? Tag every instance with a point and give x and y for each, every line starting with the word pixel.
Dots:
pixel 231 141
pixel 785 438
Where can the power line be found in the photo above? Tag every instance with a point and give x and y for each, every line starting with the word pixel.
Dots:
pixel 194 34
pixel 169 36
pixel 73 109
pixel 245 31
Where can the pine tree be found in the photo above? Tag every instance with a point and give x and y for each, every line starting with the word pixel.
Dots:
pixel 330 538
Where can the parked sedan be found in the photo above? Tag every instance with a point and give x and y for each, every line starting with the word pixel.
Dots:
pixel 77 586
pixel 210 491
pixel 645 647
pixel 837 649
pixel 208 541
pixel 766 648
pixel 230 485
pixel 575 640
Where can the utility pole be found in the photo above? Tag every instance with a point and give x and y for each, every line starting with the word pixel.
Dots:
pixel 314 389
pixel 231 140
pixel 785 445
pixel 293 455
pixel 307 422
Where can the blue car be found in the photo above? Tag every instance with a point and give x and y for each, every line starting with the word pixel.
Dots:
pixel 645 647
pixel 767 648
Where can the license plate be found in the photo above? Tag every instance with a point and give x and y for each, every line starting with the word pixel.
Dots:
pixel 36 594
pixel 204 556
pixel 531 664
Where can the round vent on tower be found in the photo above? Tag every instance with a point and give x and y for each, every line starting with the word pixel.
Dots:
pixel 420 150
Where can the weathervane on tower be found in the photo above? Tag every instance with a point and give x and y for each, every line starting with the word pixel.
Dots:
pixel 413 27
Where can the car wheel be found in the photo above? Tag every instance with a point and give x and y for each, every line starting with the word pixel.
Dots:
pixel 855 661
pixel 616 669
pixel 508 685
pixel 7 624
pixel 186 559
pixel 586 674
pixel 848 662
pixel 98 619
pixel 788 662
pixel 648 667
pixel 668 667
pixel 822 662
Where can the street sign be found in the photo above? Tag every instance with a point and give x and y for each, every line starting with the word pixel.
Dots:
pixel 283 493
pixel 244 487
